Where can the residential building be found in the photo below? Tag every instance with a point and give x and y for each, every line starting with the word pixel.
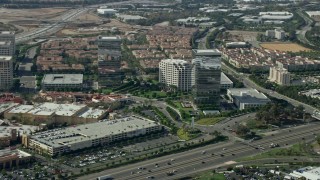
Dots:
pixel 175 72
pixel 206 77
pixel 61 81
pixel 280 76
pixel 6 72
pixel 6 48
pixel 8 36
pixel 245 98
pixel 67 140
pixel 225 82
pixel 10 158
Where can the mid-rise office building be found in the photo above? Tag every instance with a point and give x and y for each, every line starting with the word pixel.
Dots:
pixel 6 48
pixel 6 72
pixel 175 72
pixel 58 81
pixel 279 75
pixel 8 36
pixel 110 43
pixel 277 33
pixel 206 77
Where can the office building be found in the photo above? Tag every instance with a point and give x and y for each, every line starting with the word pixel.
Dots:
pixel 277 33
pixel 6 72
pixel 206 77
pixel 175 72
pixel 245 98
pixel 6 48
pixel 8 36
pixel 205 53
pixel 61 81
pixel 225 82
pixel 110 43
pixel 67 140
pixel 279 75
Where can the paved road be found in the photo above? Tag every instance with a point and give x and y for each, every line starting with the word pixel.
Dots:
pixel 248 83
pixel 190 162
pixel 301 34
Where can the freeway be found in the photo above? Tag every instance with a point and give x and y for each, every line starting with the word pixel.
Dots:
pixel 208 157
pixel 52 28
pixel 249 83
pixel 302 33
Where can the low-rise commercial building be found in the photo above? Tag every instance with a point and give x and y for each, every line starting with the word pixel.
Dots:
pixel 55 113
pixel 237 45
pixel 61 81
pixel 245 98
pixel 67 140
pixel 13 158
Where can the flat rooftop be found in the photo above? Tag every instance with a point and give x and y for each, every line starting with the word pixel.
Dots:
pixel 206 52
pixel 77 134
pixel 6 32
pixel 47 109
pixel 225 79
pixel 5 43
pixel 5 58
pixel 27 129
pixel 7 106
pixel 21 109
pixel 248 95
pixel 63 79
pixel 111 38
pixel 8 152
pixel 92 113
pixel 207 62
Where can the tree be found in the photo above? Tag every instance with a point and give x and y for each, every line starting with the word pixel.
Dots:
pixel 242 130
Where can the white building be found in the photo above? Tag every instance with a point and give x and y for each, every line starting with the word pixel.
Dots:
pixel 6 48
pixel 53 81
pixel 237 45
pixel 6 72
pixel 106 11
pixel 66 140
pixel 245 98
pixel 277 33
pixel 279 75
pixel 175 72
pixel 283 15
pixel 309 173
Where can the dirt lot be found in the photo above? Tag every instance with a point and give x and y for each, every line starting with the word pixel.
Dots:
pixel 284 47
pixel 8 15
pixel 242 35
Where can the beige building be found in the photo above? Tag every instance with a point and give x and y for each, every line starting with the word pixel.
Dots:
pixel 175 72
pixel 73 138
pixel 279 75
pixel 13 158
pixel 6 72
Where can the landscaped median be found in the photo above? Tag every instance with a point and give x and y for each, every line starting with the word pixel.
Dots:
pixel 209 121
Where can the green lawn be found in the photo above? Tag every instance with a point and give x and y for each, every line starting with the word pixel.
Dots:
pixel 183 134
pixel 295 150
pixel 209 121
pixel 212 176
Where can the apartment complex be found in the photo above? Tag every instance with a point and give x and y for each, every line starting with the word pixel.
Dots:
pixel 279 75
pixel 206 77
pixel 55 113
pixel 6 72
pixel 245 98
pixel 174 72
pixel 67 140
pixel 62 81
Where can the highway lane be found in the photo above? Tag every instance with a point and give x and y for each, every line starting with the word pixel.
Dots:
pixel 189 162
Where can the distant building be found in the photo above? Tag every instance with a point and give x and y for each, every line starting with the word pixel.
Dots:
pixel 237 45
pixel 283 15
pixel 109 42
pixel 206 53
pixel 8 36
pixel 206 77
pixel 130 18
pixel 280 76
pixel 106 11
pixel 225 82
pixel 245 98
pixel 70 139
pixel 277 33
pixel 176 73
pixel 6 72
pixel 61 81
pixel 309 173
